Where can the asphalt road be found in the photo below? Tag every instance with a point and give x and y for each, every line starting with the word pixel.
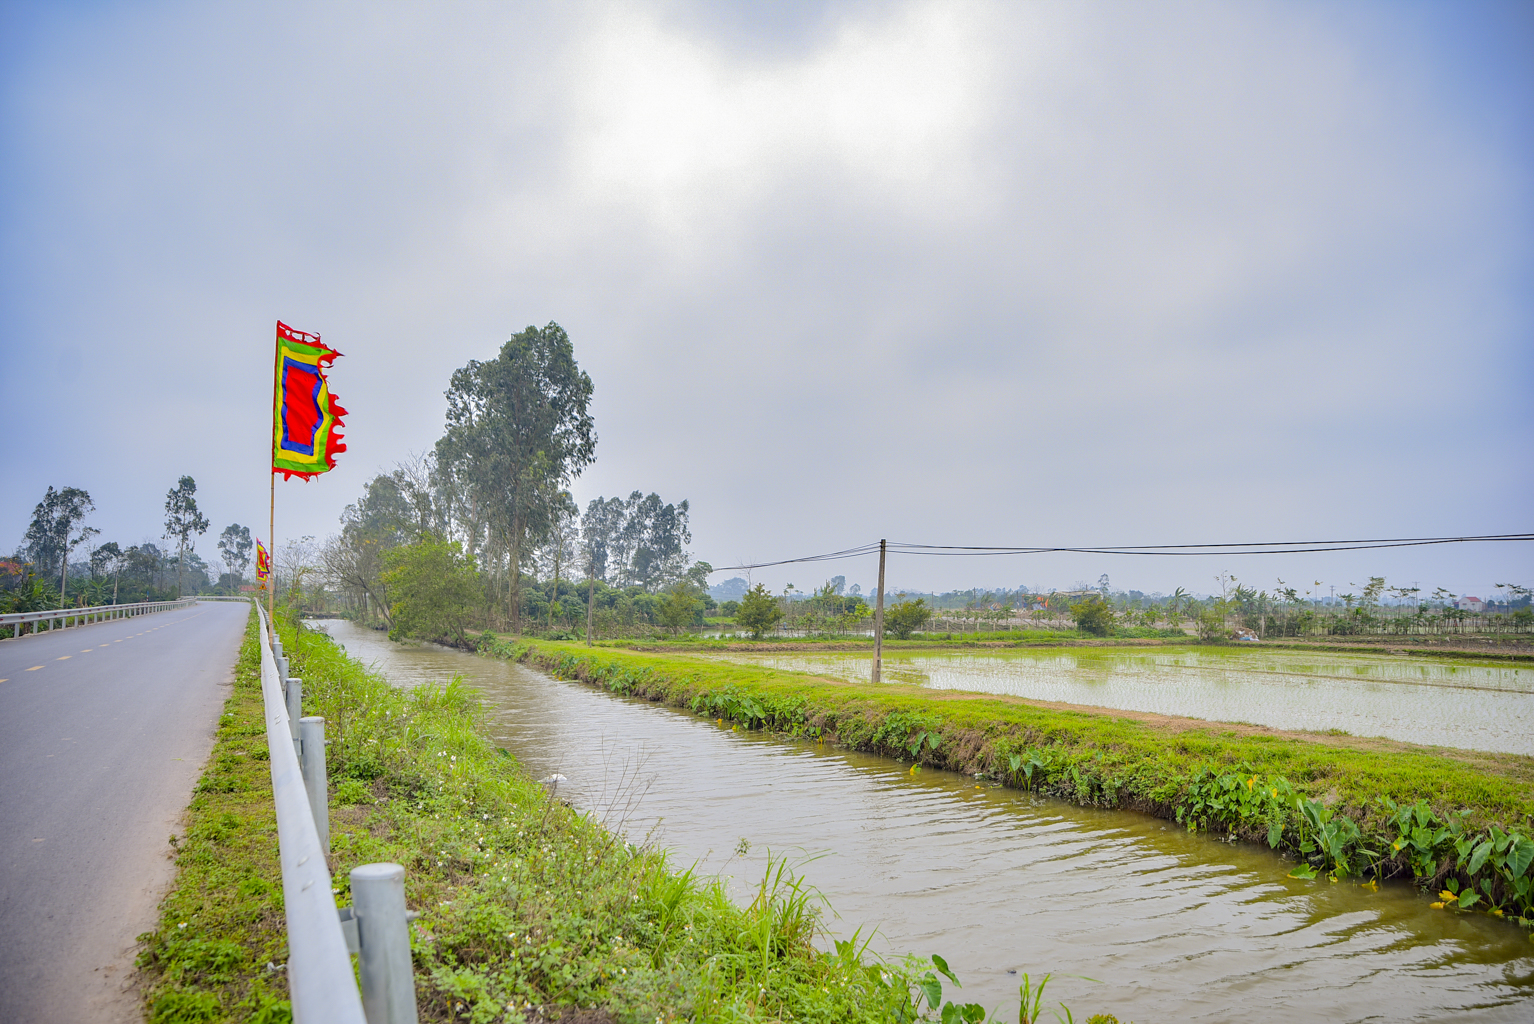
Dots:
pixel 104 730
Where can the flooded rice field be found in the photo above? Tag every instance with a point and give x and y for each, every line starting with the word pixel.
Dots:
pixel 1174 927
pixel 1465 703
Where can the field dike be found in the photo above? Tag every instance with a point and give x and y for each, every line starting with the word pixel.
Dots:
pixel 530 910
pixel 1455 822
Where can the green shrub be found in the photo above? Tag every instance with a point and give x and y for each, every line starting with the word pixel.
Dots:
pixel 352 791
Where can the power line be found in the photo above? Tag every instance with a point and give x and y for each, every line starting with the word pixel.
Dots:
pixel 1164 550
pixel 865 549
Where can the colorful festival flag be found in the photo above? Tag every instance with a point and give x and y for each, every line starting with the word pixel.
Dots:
pixel 305 415
pixel 263 564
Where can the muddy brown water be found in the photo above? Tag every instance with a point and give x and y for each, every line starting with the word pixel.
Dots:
pixel 1173 926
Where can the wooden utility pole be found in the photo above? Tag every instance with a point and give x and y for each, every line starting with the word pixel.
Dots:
pixel 879 617
pixel 591 595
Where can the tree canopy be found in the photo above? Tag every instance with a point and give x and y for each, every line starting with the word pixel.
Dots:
pixel 518 431
pixel 182 520
pixel 907 617
pixel 52 535
pixel 758 611
pixel 638 541
pixel 234 546
pixel 435 586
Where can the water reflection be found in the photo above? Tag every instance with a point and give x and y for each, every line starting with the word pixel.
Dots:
pixel 1456 703
pixel 1176 927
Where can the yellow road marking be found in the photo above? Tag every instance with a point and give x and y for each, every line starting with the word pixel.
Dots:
pixel 63 657
pixel 4 680
pixel 34 668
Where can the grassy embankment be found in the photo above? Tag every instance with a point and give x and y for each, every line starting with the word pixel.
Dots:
pixel 529 909
pixel 1503 648
pixel 835 641
pixel 1458 821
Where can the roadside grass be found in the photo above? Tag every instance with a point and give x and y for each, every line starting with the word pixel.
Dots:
pixel 1334 803
pixel 529 908
pixel 221 923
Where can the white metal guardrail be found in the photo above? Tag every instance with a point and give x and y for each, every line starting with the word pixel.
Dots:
pixel 57 618
pixel 320 982
pixel 320 938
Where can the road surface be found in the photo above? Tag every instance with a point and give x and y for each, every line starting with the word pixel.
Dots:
pixel 104 730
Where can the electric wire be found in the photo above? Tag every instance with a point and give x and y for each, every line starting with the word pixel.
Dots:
pixel 1173 550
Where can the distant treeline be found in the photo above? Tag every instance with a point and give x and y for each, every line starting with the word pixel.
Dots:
pixel 46 571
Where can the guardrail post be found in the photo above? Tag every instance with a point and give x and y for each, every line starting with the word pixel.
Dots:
pixel 311 736
pixel 383 942
pixel 295 697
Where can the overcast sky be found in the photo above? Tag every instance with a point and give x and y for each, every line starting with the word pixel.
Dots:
pixel 1038 273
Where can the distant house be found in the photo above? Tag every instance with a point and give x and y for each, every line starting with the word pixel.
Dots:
pixel 1470 604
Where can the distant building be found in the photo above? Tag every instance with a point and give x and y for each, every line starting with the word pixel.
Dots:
pixel 1470 604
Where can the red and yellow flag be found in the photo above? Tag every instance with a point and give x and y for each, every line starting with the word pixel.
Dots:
pixel 305 415
pixel 263 564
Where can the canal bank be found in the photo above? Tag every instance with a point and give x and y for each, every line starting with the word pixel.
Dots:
pixel 1345 805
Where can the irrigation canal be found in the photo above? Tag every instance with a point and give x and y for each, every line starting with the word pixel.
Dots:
pixel 1173 926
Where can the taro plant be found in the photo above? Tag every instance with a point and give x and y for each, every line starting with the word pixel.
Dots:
pixel 932 739
pixel 1028 762
pixel 1421 839
pixel 950 1012
pixel 1334 839
pixel 929 987
pixel 1238 799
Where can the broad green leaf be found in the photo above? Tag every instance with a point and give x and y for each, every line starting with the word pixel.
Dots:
pixel 1468 899
pixel 1520 856
pixel 932 988
pixel 942 966
pixel 1478 858
pixel 1303 871
pixel 1275 832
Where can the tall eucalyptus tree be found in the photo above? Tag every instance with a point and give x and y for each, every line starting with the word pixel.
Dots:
pixel 183 520
pixel 52 535
pixel 518 432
